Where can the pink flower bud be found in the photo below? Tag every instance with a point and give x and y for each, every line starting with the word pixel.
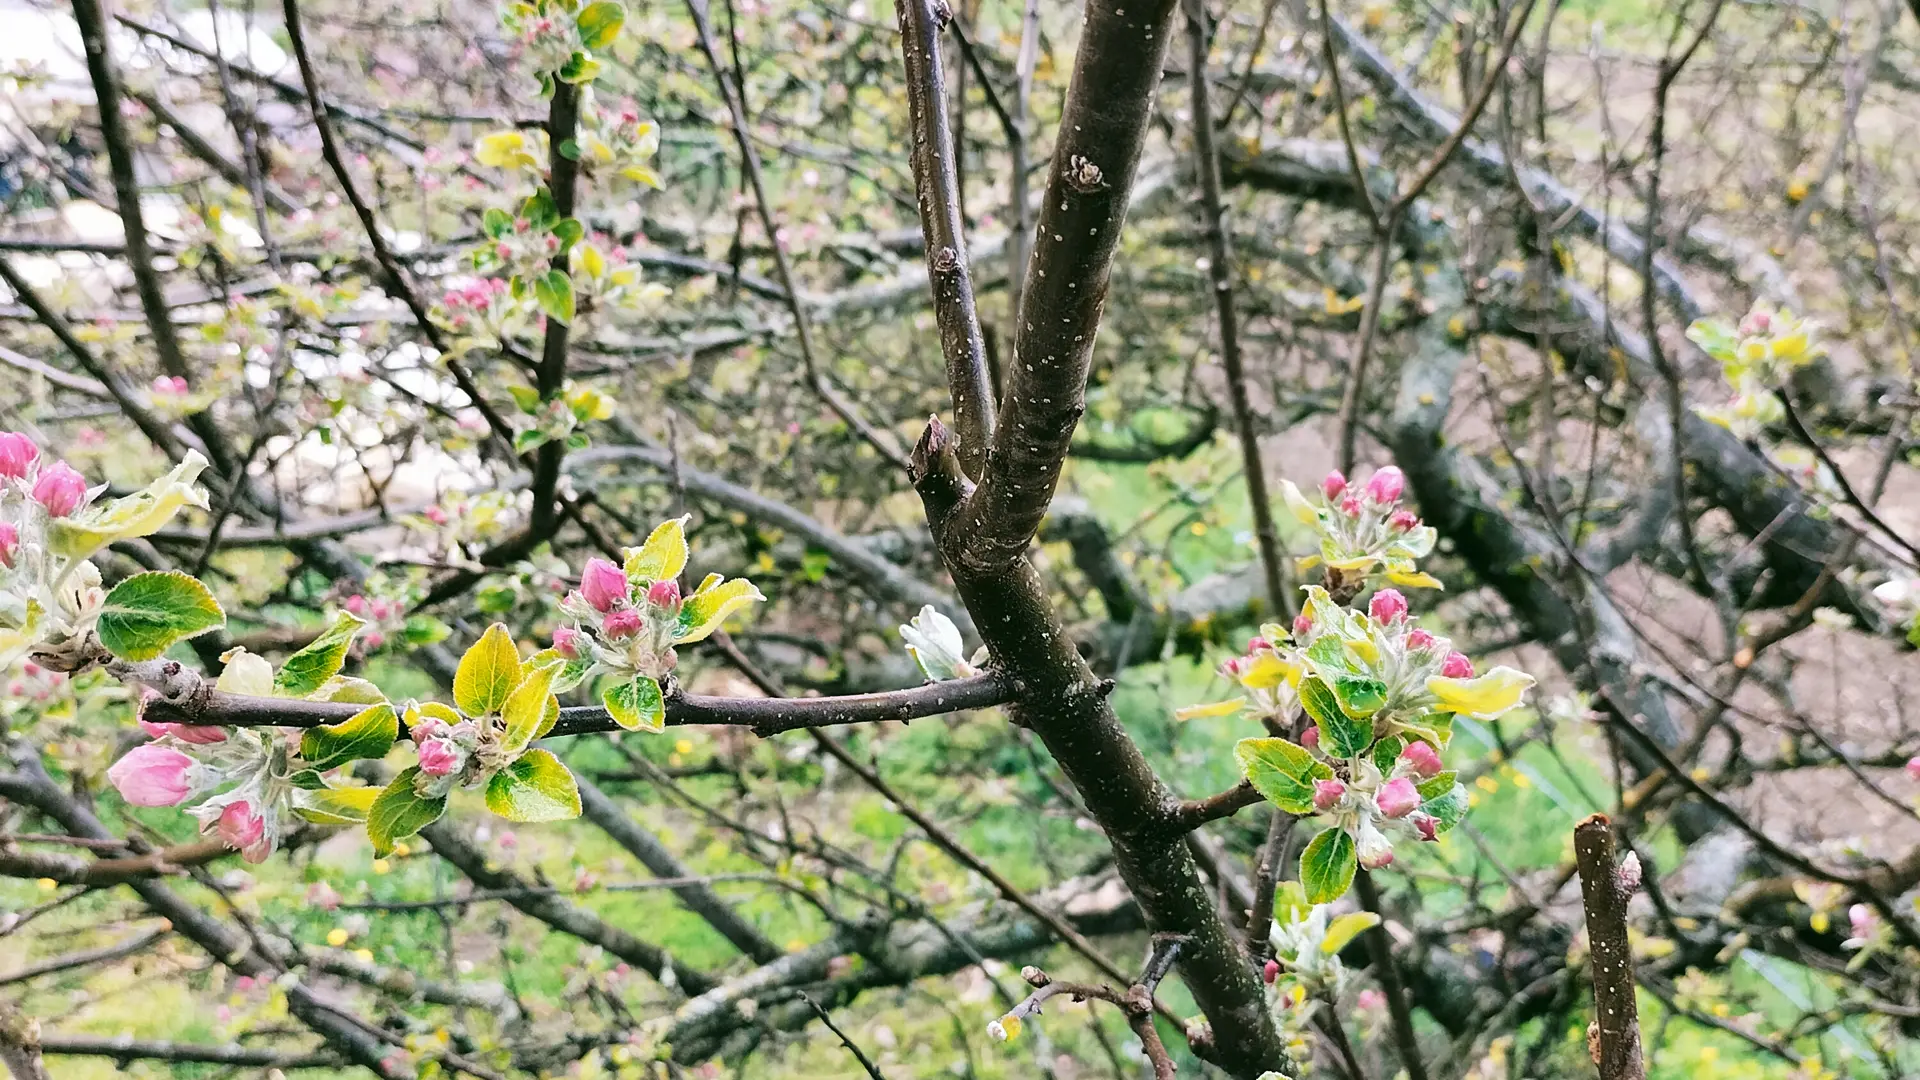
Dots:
pixel 1756 322
pixel 436 515
pixel 373 639
pixel 1310 738
pixel 244 830
pixel 438 757
pixel 1302 625
pixel 1422 760
pixel 152 775
pixel 603 584
pixel 199 734
pixel 1398 798
pixel 1350 506
pixel 1270 972
pixel 566 642
pixel 1387 607
pixel 323 896
pixel 1334 484
pixel 425 728
pixel 356 604
pixel 60 489
pixel 502 251
pixel 1419 639
pixel 1860 919
pixel 1327 794
pixel 1371 999
pixel 1457 666
pixel 1386 484
pixel 9 544
pixel 1403 521
pixel 1258 644
pixel 1426 824
pixel 664 594
pixel 1235 666
pixel 1376 858
pixel 1913 768
pixel 17 455
pixel 622 624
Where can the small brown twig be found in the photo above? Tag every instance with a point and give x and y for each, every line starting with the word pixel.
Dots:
pixel 1613 1039
pixel 1136 1001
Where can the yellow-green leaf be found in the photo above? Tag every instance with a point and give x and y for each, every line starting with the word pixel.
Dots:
pixel 636 704
pixel 335 806
pixel 139 514
pixel 664 554
pixel 1217 708
pixel 487 673
pixel 536 787
pixel 705 610
pixel 1484 697
pixel 1297 504
pixel 1345 928
pixel 526 708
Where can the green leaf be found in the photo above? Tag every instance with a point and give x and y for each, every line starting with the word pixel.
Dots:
pixel 147 613
pixel 569 231
pixel 636 704
pixel 1340 734
pixel 309 669
pixel 553 291
pixel 1387 751
pixel 599 23
pixel 335 806
pixel 579 68
pixel 1281 772
pixel 1327 866
pixel 368 733
pixel 1438 786
pixel 664 554
pixel 570 149
pixel 487 674
pixel 399 812
pixel 534 788
pixel 539 210
pixel 496 223
pixel 1448 809
pixel 526 708
pixel 1360 697
pixel 523 442
pixel 424 630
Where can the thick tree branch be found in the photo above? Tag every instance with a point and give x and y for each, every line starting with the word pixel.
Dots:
pixel 936 179
pixel 1103 125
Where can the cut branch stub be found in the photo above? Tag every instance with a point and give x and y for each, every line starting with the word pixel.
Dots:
pixel 1613 1038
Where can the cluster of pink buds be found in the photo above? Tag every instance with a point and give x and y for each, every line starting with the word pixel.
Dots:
pixel 383 617
pixel 170 386
pixel 58 487
pixel 36 684
pixel 1363 529
pixel 443 748
pixel 472 302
